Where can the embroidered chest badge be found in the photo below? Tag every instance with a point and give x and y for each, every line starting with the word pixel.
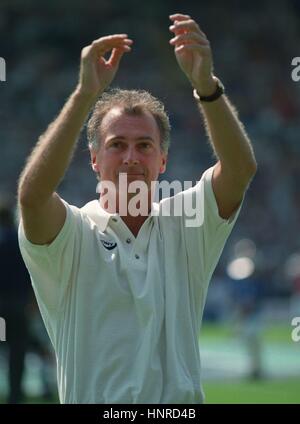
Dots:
pixel 109 245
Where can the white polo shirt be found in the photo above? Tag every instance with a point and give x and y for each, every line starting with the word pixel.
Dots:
pixel 124 313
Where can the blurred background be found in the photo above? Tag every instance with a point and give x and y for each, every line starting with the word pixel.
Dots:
pixel 248 354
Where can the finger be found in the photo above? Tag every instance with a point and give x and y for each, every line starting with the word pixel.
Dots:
pixel 185 24
pixel 105 44
pixel 109 42
pixel 116 55
pixel 193 47
pixel 190 25
pixel 179 17
pixel 110 38
pixel 190 37
pixel 101 49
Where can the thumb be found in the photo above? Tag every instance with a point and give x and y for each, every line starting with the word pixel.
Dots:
pixel 116 56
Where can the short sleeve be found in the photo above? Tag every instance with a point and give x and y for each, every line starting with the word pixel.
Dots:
pixel 211 203
pixel 205 242
pixel 51 266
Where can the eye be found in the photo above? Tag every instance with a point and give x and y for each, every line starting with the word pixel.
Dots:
pixel 145 145
pixel 115 144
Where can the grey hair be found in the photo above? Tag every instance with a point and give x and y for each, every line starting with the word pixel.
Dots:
pixel 132 102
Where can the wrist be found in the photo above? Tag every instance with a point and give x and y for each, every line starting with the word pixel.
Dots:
pixel 214 95
pixel 86 96
pixel 206 87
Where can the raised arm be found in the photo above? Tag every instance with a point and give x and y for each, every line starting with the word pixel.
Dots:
pixel 43 212
pixel 236 162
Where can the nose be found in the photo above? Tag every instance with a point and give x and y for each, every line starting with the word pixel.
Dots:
pixel 131 156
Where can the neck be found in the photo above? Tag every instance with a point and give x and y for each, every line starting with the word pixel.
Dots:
pixel 133 222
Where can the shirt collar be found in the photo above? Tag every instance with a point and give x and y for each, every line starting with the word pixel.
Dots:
pixel 101 217
pixel 97 214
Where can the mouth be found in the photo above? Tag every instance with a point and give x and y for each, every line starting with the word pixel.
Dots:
pixel 133 174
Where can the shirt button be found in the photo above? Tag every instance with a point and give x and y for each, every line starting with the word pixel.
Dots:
pixel 128 241
pixel 137 256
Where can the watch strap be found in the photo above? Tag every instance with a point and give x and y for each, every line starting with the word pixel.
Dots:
pixel 218 93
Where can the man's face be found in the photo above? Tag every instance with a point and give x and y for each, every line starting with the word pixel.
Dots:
pixel 129 144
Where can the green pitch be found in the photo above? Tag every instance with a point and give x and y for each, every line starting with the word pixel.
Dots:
pixel 281 366
pixel 275 392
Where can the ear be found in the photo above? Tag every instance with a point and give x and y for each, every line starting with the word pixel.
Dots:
pixel 94 163
pixel 163 164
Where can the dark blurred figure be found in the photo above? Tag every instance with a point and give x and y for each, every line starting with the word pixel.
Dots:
pixel 15 290
pixel 248 296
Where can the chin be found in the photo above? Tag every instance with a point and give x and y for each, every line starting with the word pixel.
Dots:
pixel 133 177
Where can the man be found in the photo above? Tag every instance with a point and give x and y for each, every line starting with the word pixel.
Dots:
pixel 122 295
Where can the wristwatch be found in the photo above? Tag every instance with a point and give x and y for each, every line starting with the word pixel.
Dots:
pixel 220 89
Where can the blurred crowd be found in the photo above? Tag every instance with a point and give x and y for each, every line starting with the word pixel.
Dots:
pixel 253 46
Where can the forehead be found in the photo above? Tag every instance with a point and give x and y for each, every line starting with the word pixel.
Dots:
pixel 119 123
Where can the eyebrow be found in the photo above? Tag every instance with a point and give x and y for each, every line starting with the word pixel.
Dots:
pixel 120 137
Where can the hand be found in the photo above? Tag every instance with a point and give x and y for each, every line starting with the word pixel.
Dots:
pixel 96 73
pixel 193 53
